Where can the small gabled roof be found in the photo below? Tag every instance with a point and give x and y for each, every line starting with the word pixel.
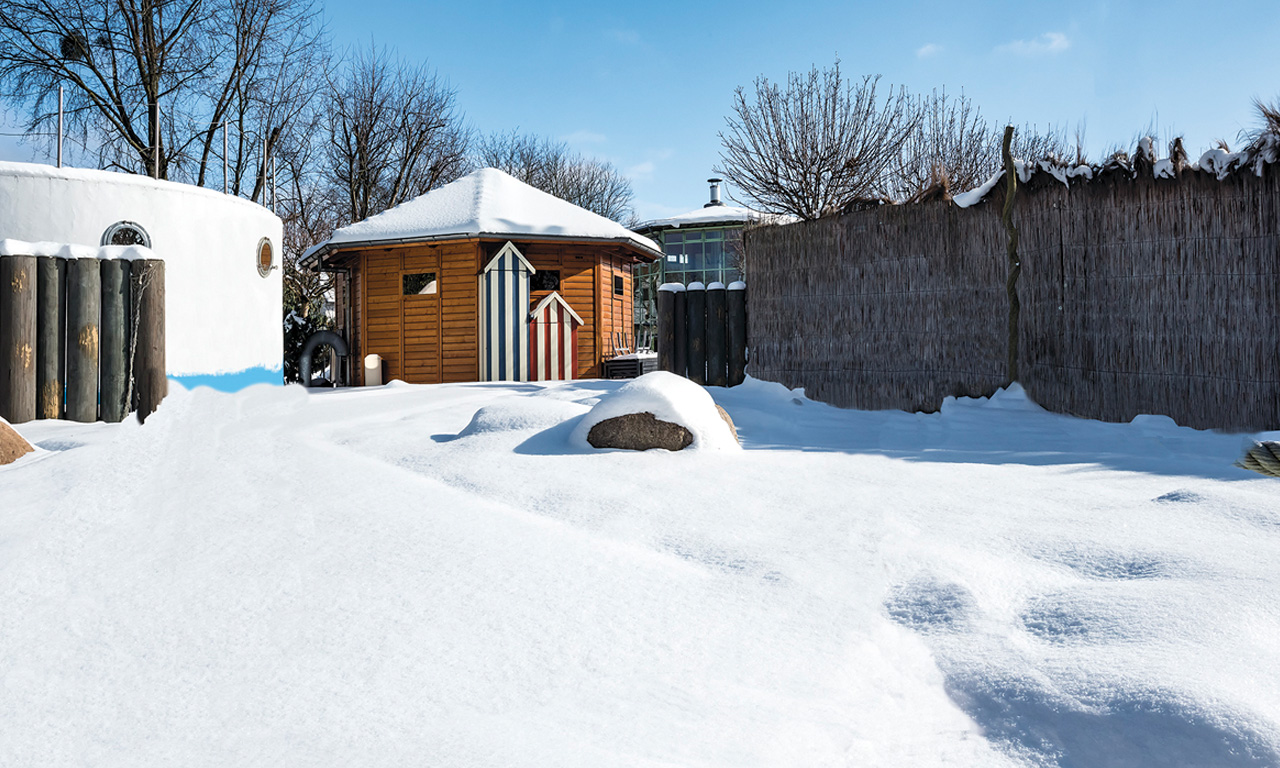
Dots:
pixel 556 297
pixel 486 203
pixel 509 249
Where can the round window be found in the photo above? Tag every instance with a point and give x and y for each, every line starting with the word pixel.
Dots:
pixel 126 233
pixel 266 258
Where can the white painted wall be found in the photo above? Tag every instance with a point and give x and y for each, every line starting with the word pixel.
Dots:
pixel 221 315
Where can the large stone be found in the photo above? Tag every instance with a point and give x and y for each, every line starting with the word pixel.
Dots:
pixel 13 446
pixel 639 432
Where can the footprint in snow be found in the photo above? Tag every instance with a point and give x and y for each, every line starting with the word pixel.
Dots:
pixel 931 605
pixel 1181 495
pixel 1066 619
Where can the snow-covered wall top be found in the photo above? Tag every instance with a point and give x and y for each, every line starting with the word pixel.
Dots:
pixel 222 315
pixel 12 247
pixel 1219 162
pixel 486 202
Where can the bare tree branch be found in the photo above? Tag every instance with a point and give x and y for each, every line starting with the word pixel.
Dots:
pixel 816 145
pixel 553 168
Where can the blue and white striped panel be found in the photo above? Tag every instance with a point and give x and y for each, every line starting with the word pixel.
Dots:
pixel 504 291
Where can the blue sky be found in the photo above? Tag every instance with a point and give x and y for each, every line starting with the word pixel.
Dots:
pixel 648 86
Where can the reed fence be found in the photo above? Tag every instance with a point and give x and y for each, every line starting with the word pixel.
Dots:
pixel 1139 295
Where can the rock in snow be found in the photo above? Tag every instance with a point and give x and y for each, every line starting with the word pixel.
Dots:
pixel 680 414
pixel 13 446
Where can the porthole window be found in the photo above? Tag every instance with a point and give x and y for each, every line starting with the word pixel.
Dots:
pixel 266 257
pixel 126 233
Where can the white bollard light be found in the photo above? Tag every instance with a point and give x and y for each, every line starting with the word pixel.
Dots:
pixel 373 370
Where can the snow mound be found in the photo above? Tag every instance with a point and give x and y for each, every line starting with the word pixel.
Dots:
pixel 522 415
pixel 669 398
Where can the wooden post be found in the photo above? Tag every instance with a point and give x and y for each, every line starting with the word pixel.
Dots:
pixel 696 307
pixel 84 300
pixel 51 336
pixel 717 364
pixel 1015 266
pixel 681 356
pixel 115 339
pixel 667 327
pixel 18 338
pixel 149 385
pixel 737 332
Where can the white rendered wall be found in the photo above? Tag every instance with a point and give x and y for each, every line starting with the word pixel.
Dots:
pixel 221 316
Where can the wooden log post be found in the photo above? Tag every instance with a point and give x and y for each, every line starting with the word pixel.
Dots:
pixel 18 338
pixel 717 336
pixel 737 332
pixel 696 307
pixel 147 370
pixel 115 339
pixel 84 302
pixel 1015 265
pixel 681 356
pixel 667 326
pixel 51 336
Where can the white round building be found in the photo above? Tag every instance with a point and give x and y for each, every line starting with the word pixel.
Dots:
pixel 222 260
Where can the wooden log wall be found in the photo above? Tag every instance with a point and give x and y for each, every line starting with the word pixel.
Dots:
pixel 1138 296
pixel 81 338
pixel 702 333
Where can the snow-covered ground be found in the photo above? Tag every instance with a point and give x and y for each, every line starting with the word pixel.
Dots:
pixel 435 575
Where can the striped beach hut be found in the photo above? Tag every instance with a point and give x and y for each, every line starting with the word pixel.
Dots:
pixel 553 339
pixel 484 279
pixel 504 337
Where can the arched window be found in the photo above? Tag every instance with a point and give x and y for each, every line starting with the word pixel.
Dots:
pixel 266 257
pixel 126 233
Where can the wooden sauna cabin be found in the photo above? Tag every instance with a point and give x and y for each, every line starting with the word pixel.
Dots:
pixel 484 279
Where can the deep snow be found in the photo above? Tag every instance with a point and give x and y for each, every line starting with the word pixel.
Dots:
pixel 436 575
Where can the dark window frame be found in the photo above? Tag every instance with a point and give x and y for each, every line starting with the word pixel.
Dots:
pixel 423 279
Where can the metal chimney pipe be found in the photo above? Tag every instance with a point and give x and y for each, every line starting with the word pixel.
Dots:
pixel 59 126
pixel 715 193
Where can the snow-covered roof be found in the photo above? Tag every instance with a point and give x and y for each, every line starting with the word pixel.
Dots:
pixel 710 215
pixel 485 203
pixel 42 171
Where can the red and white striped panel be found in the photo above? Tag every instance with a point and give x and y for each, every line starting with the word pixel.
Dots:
pixel 553 340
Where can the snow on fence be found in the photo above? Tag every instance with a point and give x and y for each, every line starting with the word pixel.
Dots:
pixel 1140 293
pixel 82 333
pixel 702 332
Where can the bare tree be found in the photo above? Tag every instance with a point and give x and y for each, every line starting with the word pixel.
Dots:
pixel 1031 144
pixel 394 132
pixel 816 145
pixel 150 81
pixel 552 167
pixel 949 149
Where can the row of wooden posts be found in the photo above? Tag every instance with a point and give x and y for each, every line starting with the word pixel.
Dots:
pixel 81 339
pixel 702 332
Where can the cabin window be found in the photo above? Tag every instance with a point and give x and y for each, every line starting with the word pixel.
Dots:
pixel 266 257
pixel 126 233
pixel 545 280
pixel 420 283
pixel 618 285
